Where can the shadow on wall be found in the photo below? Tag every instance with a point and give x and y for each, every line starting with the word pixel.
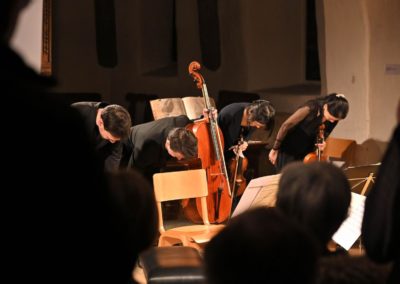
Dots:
pixel 369 152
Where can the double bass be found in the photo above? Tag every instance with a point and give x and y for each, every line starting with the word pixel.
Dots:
pixel 210 151
pixel 317 156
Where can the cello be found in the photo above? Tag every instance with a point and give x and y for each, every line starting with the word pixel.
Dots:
pixel 210 151
pixel 317 156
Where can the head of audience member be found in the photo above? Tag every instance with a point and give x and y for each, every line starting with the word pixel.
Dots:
pixel 317 195
pixel 114 123
pixel 63 229
pixel 261 243
pixel 9 12
pixel 181 143
pixel 134 212
pixel 346 269
pixel 260 113
pixel 65 218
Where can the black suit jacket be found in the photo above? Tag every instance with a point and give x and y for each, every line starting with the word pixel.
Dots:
pixel 146 144
pixel 109 153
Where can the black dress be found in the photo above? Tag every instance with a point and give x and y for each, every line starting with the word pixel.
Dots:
pixel 297 135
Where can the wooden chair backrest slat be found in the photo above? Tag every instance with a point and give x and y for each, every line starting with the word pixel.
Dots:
pixel 180 185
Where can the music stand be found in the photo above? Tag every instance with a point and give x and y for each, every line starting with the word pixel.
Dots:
pixel 362 177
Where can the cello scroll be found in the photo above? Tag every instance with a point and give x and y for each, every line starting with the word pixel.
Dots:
pixel 193 67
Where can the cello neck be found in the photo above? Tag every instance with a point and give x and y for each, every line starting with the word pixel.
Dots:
pixel 206 97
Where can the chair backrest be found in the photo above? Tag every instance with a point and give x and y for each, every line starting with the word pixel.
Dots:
pixel 181 185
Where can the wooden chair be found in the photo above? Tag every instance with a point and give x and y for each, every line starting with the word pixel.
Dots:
pixel 183 185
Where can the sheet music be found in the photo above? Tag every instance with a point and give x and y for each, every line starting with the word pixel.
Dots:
pixel 259 192
pixel 338 164
pixel 350 230
pixel 261 181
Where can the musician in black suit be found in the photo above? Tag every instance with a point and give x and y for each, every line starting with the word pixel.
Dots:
pixel 152 144
pixel 238 120
pixel 107 125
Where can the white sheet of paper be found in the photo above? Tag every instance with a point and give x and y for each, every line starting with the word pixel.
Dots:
pixel 350 230
pixel 253 192
pixel 261 181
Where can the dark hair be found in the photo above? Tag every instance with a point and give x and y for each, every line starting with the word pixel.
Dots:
pixel 261 243
pixel 261 111
pixel 183 141
pixel 116 120
pixel 317 195
pixel 337 105
pixel 9 10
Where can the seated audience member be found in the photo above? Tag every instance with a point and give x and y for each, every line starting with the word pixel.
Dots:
pixel 58 226
pixel 135 218
pixel 107 126
pixel 381 224
pixel 317 196
pixel 347 269
pixel 261 245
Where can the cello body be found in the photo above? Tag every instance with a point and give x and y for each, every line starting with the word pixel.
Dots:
pixel 218 200
pixel 210 151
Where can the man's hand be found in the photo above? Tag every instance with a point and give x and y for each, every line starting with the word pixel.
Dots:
pixel 207 115
pixel 240 148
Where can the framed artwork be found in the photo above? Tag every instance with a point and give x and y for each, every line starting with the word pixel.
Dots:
pixel 46 62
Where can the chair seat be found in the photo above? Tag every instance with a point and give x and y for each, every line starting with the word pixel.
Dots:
pixel 172 265
pixel 187 235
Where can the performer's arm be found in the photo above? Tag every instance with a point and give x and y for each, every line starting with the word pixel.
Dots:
pixel 291 122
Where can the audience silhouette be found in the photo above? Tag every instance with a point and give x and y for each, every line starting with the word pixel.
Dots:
pixel 261 245
pixel 316 195
pixel 381 224
pixel 60 222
